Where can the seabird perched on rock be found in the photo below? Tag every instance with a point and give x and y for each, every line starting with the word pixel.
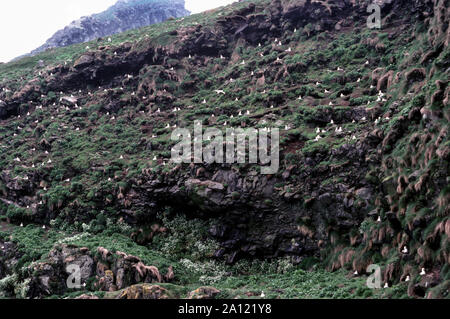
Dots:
pixel 405 250
pixel 422 273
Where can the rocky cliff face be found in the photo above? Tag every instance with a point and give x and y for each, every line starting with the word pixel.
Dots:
pixel 364 117
pixel 123 16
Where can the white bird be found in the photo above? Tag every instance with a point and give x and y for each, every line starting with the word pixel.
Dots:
pixel 355 273
pixel 43 226
pixel 87 47
pixel 259 44
pixel 363 119
pixel 367 62
pixel 422 273
pixel 379 217
pixel 318 83
pixel 407 278
pixel 318 130
pixel 339 69
pixel 342 95
pixel 243 62
pixel 248 112
pixel 372 87
pixel 331 103
pixel 220 91
pixel 154 158
pixel 359 80
pixel 204 102
pixel 21 224
pixel 109 39
pixel 326 91
pixel 405 250
pixel 386 285
pixel 300 97
pixel 317 138
pixel 331 122
pixel 236 99
pixel 121 156
pixel 17 159
pixel 222 57
pixel 289 50
pixel 262 294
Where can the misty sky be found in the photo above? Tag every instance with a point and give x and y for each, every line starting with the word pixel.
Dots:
pixel 26 25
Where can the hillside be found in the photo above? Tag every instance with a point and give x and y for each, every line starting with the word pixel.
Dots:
pixel 122 16
pixel 363 117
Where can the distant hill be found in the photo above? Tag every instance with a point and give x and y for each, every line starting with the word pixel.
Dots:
pixel 123 16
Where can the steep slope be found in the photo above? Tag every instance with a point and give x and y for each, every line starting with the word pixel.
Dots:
pixel 123 16
pixel 86 141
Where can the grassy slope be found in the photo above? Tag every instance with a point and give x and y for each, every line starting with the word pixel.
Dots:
pixel 109 139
